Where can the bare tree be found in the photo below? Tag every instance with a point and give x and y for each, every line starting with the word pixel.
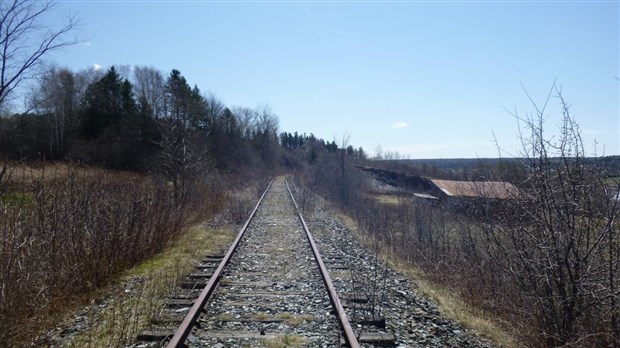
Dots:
pixel 246 118
pixel 216 106
pixel 378 153
pixel 83 79
pixel 5 173
pixel 181 156
pixel 559 242
pixel 55 96
pixel 267 122
pixel 150 86
pixel 125 70
pixel 266 128
pixel 183 148
pixel 25 40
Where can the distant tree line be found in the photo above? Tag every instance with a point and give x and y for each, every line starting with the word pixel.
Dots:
pixel 106 119
pixel 294 141
pixel 141 119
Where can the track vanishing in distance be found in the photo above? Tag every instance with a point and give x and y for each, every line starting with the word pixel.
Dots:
pixel 271 287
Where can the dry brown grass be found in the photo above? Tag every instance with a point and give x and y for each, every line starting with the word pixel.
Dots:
pixel 28 172
pixel 296 319
pixel 387 199
pixel 287 340
pixel 394 198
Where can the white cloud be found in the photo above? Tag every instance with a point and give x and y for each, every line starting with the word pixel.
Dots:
pixel 96 67
pixel 400 125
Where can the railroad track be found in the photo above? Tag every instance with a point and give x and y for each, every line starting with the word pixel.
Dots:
pixel 269 289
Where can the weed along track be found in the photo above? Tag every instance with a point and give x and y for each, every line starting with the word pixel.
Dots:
pixel 270 289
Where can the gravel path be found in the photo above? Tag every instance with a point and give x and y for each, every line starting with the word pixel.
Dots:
pixel 272 294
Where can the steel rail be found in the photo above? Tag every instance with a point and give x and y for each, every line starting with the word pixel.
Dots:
pixel 178 340
pixel 333 296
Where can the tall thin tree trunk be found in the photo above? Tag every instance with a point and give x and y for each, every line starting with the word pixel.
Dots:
pixel 613 303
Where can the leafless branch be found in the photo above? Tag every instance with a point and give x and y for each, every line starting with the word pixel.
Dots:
pixel 25 40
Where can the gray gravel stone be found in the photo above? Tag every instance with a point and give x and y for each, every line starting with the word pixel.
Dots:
pixel 414 320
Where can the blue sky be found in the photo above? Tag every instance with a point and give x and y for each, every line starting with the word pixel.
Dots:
pixel 425 79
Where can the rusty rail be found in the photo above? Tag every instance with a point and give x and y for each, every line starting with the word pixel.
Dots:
pixel 178 340
pixel 350 337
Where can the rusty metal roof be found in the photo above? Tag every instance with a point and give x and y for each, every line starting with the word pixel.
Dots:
pixel 484 189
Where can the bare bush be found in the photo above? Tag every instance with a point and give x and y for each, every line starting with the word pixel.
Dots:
pixel 559 242
pixel 65 235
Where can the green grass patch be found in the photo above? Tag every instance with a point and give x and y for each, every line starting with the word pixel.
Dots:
pixel 17 199
pixel 612 181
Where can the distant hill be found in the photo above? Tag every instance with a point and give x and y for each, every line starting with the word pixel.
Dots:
pixel 472 168
pixel 610 163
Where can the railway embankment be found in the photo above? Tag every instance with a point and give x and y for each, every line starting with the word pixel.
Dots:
pixel 271 294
